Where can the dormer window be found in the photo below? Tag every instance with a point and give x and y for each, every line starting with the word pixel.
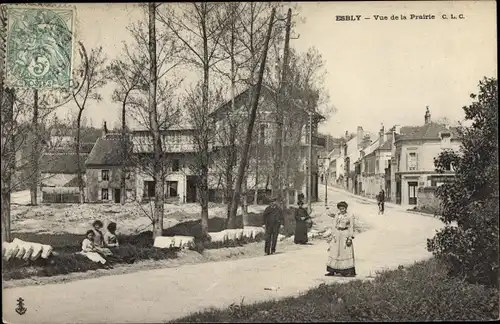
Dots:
pixel 445 139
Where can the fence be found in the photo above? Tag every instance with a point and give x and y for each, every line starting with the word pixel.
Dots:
pixel 52 197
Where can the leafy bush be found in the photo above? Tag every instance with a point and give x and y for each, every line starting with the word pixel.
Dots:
pixel 469 242
pixel 423 292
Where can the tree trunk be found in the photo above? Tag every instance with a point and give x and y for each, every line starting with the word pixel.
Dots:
pixel 81 187
pixel 153 120
pixel 205 149
pixel 35 152
pixel 8 157
pixel 248 139
pixel 123 174
pixel 256 193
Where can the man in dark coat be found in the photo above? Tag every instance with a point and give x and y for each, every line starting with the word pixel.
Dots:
pixel 273 219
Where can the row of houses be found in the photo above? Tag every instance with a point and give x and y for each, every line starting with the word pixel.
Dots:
pixel 399 161
pixel 103 161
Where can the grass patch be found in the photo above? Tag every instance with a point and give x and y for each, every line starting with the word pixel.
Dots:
pixel 422 292
pixel 132 248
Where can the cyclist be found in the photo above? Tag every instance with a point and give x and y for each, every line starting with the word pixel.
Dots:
pixel 381 201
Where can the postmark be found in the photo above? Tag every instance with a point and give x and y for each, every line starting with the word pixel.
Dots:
pixel 39 47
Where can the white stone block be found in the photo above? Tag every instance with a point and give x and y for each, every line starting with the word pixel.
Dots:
pixel 28 252
pixel 20 252
pixel 46 251
pixel 37 251
pixel 164 242
pixel 281 237
pixel 183 242
pixel 218 237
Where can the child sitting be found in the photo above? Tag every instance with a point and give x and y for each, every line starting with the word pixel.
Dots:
pixel 90 251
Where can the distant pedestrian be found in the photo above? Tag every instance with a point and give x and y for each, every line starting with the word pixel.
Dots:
pixel 381 202
pixel 341 250
pixel 273 219
pixel 302 220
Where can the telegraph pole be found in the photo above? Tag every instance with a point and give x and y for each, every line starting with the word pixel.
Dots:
pixel 309 169
pixel 327 174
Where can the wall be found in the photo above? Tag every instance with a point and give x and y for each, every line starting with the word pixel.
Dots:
pixel 427 200
pixel 95 183
pixel 426 152
pixel 180 177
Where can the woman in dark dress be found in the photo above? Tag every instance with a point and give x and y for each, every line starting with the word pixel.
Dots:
pixel 302 219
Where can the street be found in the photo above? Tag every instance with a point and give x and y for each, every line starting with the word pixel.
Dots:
pixel 396 238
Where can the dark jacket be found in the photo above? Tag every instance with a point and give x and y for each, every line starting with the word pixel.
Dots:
pixel 273 216
pixel 381 197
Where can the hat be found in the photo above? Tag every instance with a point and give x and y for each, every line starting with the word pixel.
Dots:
pixel 342 204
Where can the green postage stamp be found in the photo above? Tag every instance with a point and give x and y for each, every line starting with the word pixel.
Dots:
pixel 39 47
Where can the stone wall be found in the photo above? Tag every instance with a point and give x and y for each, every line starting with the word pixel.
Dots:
pixel 427 200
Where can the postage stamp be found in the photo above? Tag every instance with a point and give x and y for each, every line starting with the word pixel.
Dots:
pixel 39 51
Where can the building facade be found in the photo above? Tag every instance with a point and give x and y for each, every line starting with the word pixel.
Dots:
pixel 414 151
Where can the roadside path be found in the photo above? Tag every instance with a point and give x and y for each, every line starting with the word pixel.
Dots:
pixel 396 238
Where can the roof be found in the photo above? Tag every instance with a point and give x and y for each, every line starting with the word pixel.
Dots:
pixel 65 163
pixel 426 132
pixel 106 151
pixel 176 127
pixel 264 90
pixel 84 148
pixel 387 145
pixel 87 135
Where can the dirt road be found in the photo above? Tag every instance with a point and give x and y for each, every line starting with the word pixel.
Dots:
pixel 164 294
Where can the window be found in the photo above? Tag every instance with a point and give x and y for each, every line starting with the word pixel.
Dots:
pixel 104 194
pixel 149 189
pixel 172 189
pixel 445 140
pixel 129 193
pixel 262 133
pixel 412 161
pixel 175 165
pixel 105 175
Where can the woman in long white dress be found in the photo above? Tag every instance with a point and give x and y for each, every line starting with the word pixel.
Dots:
pixel 341 249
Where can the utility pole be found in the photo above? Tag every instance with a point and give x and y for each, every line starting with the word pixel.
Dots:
pixel 309 169
pixel 327 174
pixel 278 162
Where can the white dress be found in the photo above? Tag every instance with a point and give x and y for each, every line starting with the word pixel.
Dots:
pixel 88 249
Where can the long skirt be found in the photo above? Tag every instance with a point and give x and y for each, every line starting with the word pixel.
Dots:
pixel 94 256
pixel 300 232
pixel 341 256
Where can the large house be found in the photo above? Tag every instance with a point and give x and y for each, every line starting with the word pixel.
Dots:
pixel 296 144
pixel 413 151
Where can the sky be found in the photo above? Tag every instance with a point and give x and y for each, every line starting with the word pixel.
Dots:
pixel 378 71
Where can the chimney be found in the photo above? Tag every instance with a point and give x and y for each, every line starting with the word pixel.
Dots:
pixel 381 135
pixel 104 129
pixel 346 135
pixel 427 116
pixel 359 136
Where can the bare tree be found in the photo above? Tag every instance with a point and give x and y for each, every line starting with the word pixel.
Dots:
pixel 198 27
pixel 92 68
pixel 248 140
pixel 127 75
